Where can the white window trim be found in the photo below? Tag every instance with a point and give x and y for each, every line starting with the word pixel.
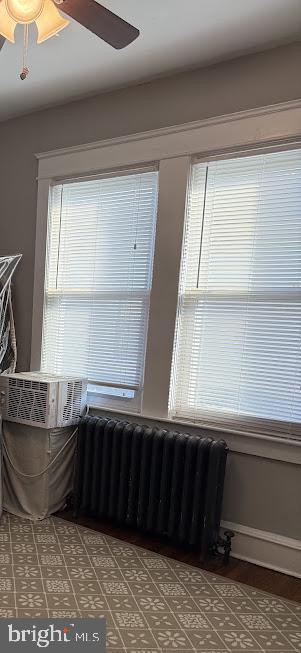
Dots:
pixel 272 448
pixel 173 149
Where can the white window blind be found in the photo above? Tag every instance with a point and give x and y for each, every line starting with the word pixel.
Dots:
pixel 237 354
pixel 98 281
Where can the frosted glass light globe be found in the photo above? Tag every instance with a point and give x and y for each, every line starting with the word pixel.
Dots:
pixel 24 11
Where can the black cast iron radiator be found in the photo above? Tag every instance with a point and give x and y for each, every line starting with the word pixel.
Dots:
pixel 160 482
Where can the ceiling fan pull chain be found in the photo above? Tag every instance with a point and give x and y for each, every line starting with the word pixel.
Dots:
pixel 25 70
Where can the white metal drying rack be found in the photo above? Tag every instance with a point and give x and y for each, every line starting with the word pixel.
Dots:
pixel 8 265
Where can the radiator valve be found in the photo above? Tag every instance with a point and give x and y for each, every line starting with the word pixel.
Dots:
pixel 225 543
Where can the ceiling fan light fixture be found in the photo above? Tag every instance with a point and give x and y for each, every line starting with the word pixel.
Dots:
pixel 7 24
pixel 50 21
pixel 24 11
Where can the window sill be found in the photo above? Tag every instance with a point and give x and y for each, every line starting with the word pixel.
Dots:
pixel 262 446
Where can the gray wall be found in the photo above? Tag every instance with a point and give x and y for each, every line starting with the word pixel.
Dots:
pixel 269 503
pixel 263 494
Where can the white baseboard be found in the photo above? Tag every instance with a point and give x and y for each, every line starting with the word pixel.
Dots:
pixel 265 549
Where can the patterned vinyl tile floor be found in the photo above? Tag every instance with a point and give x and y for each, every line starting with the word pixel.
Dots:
pixel 151 603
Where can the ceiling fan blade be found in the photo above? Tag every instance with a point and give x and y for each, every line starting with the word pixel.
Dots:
pixel 101 21
pixel 2 41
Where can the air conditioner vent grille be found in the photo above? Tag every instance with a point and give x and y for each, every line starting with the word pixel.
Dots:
pixel 77 399
pixel 13 402
pixel 28 384
pixel 72 407
pixel 67 411
pixel 26 404
pixel 39 411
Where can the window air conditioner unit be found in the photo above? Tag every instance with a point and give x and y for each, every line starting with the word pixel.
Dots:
pixel 44 400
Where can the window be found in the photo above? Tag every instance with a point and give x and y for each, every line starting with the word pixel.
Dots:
pixel 237 354
pixel 98 281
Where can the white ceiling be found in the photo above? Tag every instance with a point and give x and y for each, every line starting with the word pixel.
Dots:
pixel 175 35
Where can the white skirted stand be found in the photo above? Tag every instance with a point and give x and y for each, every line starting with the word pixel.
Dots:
pixel 37 469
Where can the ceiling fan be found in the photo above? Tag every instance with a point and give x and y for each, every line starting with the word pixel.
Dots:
pixel 49 20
